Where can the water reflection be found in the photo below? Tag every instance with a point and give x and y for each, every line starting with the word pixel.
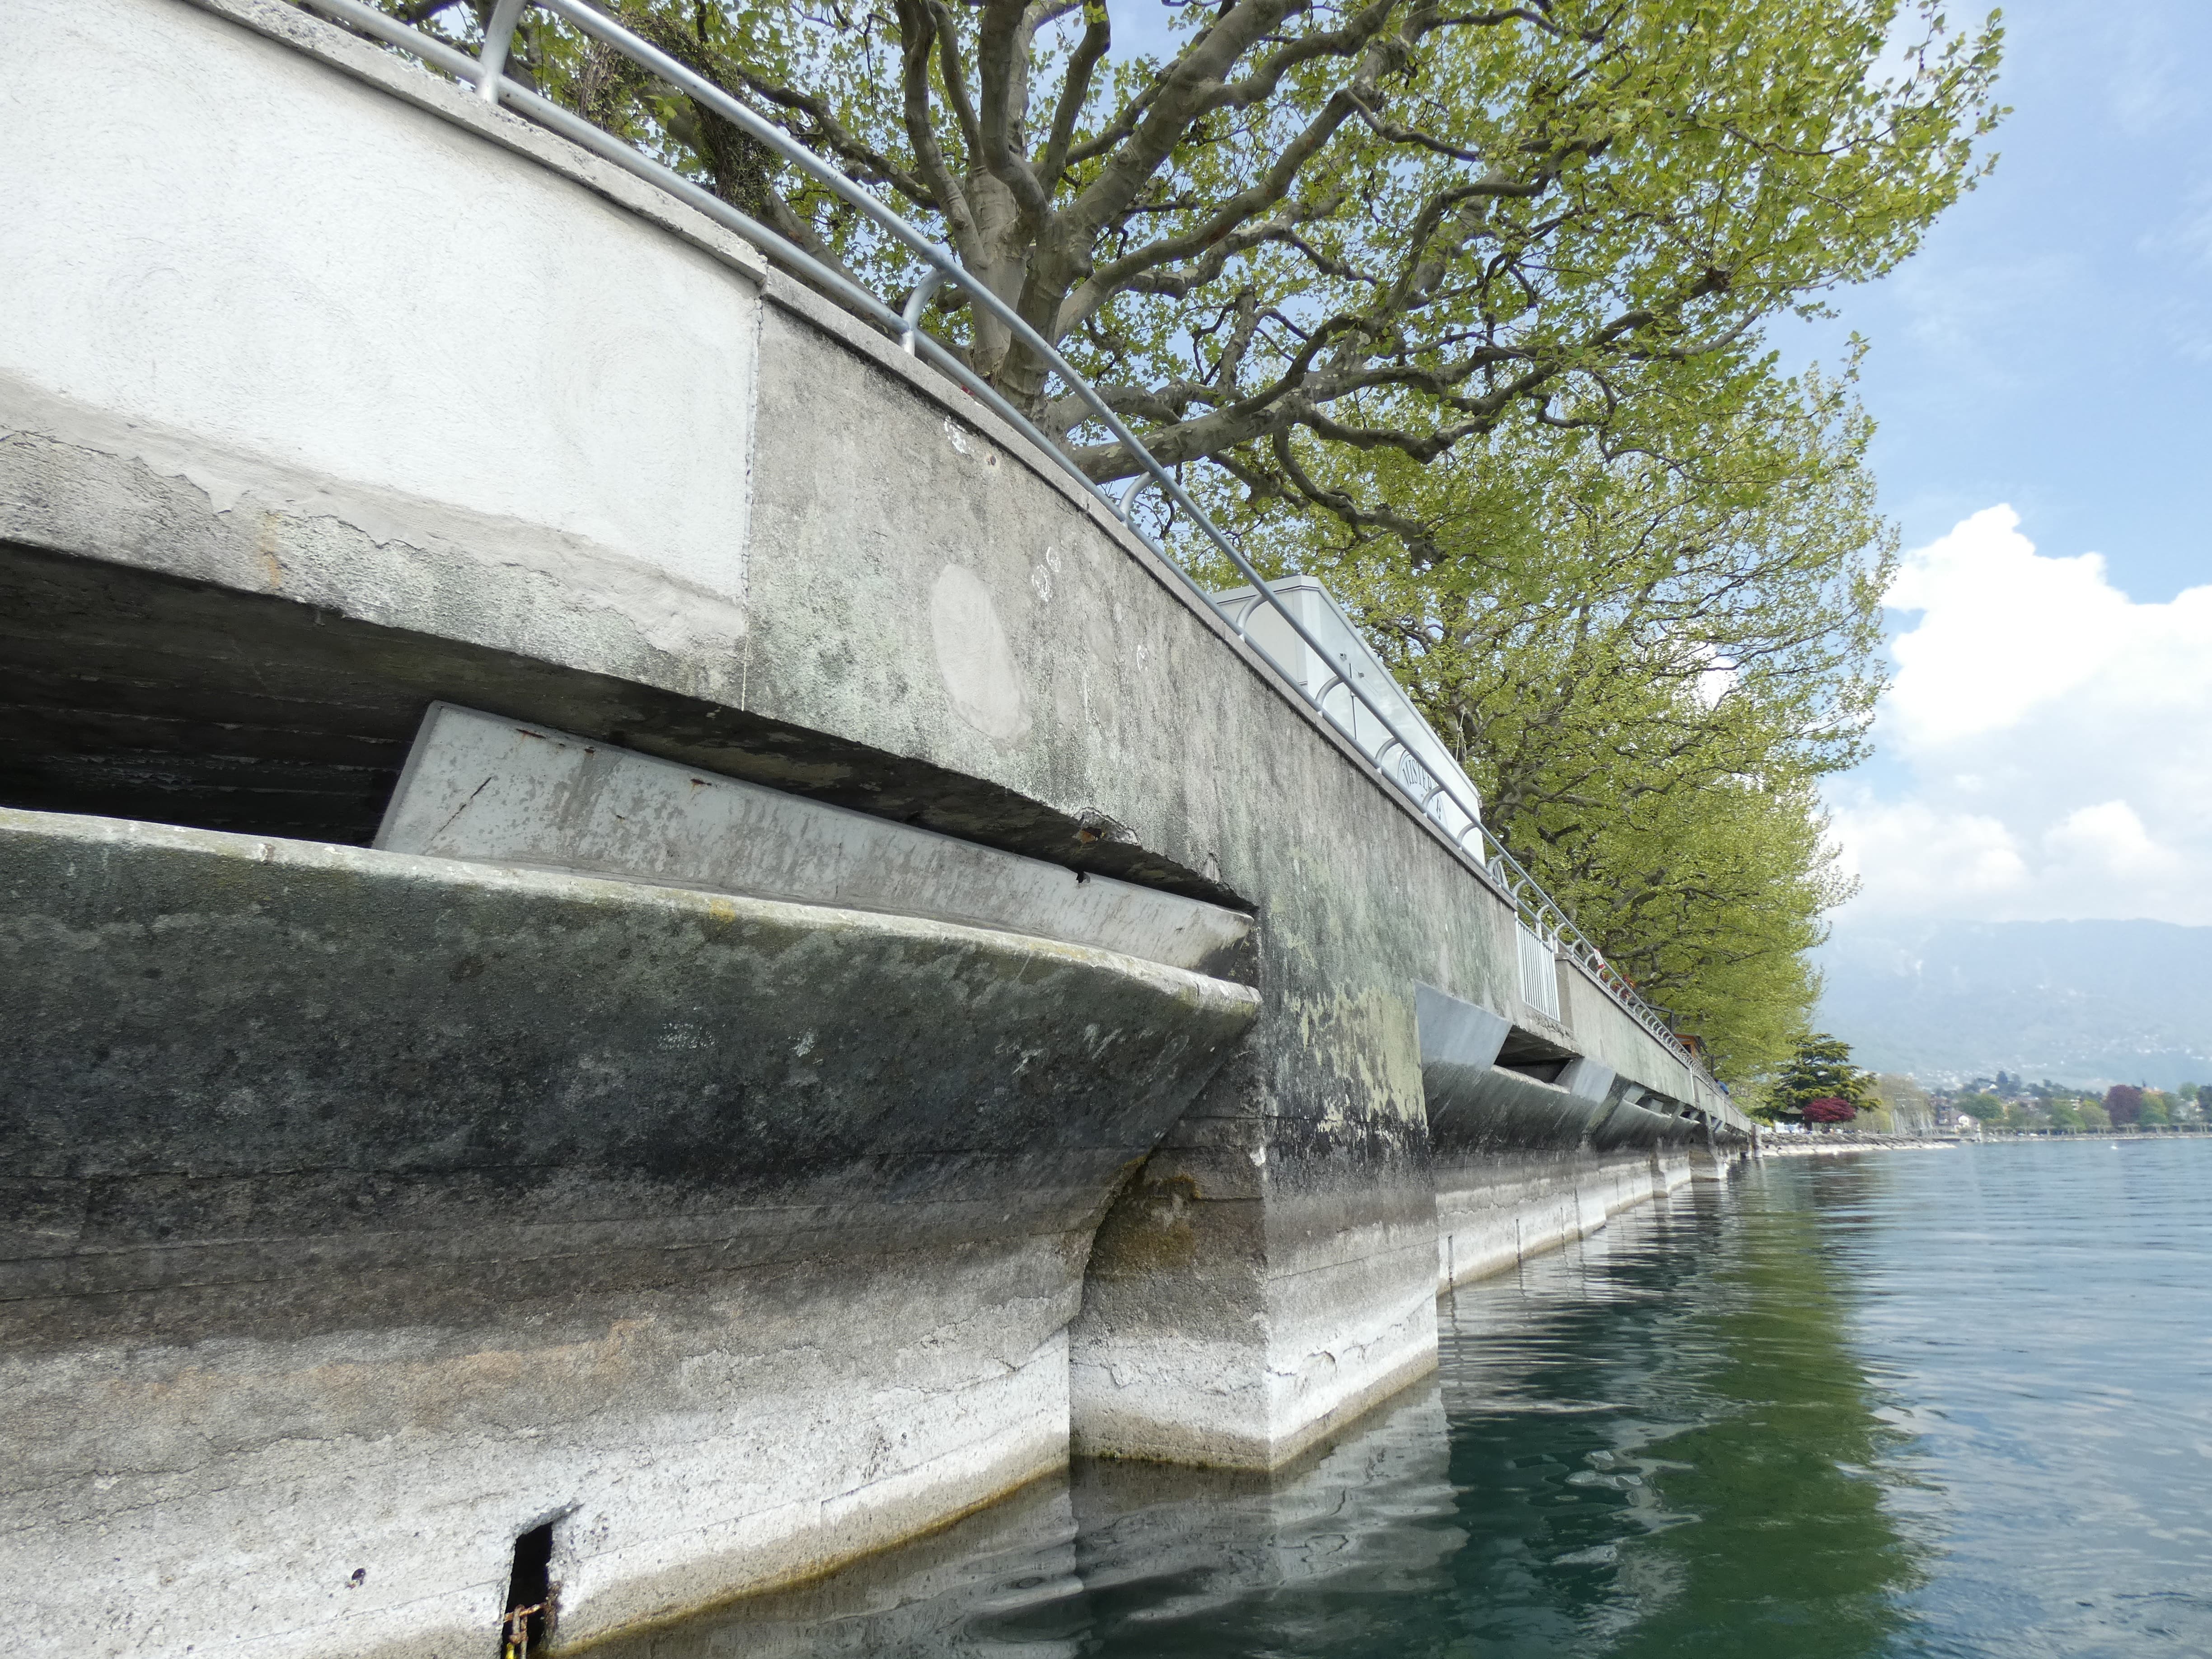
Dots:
pixel 1848 1407
pixel 1783 1538
pixel 1672 1449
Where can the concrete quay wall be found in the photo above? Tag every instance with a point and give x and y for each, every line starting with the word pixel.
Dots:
pixel 1495 1212
pixel 329 394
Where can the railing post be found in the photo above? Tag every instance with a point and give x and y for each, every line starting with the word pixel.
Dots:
pixel 499 35
pixel 916 303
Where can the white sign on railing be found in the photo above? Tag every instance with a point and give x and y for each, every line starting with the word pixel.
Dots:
pixel 1355 692
pixel 1540 971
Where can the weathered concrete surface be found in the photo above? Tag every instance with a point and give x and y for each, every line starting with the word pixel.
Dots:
pixel 919 618
pixel 1349 666
pixel 1529 1153
pixel 1638 1119
pixel 367 1210
pixel 510 792
pixel 1246 1300
pixel 1515 1146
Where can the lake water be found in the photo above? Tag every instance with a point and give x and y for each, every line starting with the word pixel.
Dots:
pixel 1951 1402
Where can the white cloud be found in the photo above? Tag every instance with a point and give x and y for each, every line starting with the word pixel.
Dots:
pixel 2056 734
pixel 1914 857
pixel 2109 839
pixel 2002 630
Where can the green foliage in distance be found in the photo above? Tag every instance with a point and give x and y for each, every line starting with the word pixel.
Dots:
pixel 1982 1107
pixel 1394 224
pixel 2052 1106
pixel 1646 666
pixel 2065 1115
pixel 1821 1067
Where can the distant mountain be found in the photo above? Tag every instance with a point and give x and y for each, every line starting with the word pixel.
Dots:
pixel 2079 1002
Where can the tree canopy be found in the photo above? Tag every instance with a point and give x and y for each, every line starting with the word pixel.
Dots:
pixel 1982 1107
pixel 1391 227
pixel 1900 1105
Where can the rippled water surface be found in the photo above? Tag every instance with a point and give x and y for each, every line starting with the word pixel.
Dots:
pixel 1906 1403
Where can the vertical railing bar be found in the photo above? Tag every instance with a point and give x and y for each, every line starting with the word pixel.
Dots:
pixel 499 35
pixel 923 292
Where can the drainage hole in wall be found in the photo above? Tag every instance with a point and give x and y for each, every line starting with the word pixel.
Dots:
pixel 529 1595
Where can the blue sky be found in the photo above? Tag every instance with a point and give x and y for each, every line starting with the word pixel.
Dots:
pixel 2042 372
pixel 2051 345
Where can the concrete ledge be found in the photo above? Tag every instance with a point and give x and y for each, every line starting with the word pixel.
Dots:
pixel 1633 1124
pixel 1497 1109
pixel 511 791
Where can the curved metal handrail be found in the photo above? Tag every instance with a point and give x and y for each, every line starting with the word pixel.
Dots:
pixel 1496 866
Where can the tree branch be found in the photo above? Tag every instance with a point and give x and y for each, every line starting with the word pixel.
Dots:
pixel 918 26
pixel 954 74
pixel 1002 64
pixel 1075 91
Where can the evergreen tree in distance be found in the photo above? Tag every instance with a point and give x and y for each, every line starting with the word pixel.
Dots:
pixel 1820 1071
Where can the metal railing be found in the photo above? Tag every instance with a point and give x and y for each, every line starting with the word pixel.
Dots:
pixel 486 72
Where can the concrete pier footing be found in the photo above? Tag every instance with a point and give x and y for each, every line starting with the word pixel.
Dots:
pixel 1496 1212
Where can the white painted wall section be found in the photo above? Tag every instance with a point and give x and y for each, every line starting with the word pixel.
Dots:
pixel 204 230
